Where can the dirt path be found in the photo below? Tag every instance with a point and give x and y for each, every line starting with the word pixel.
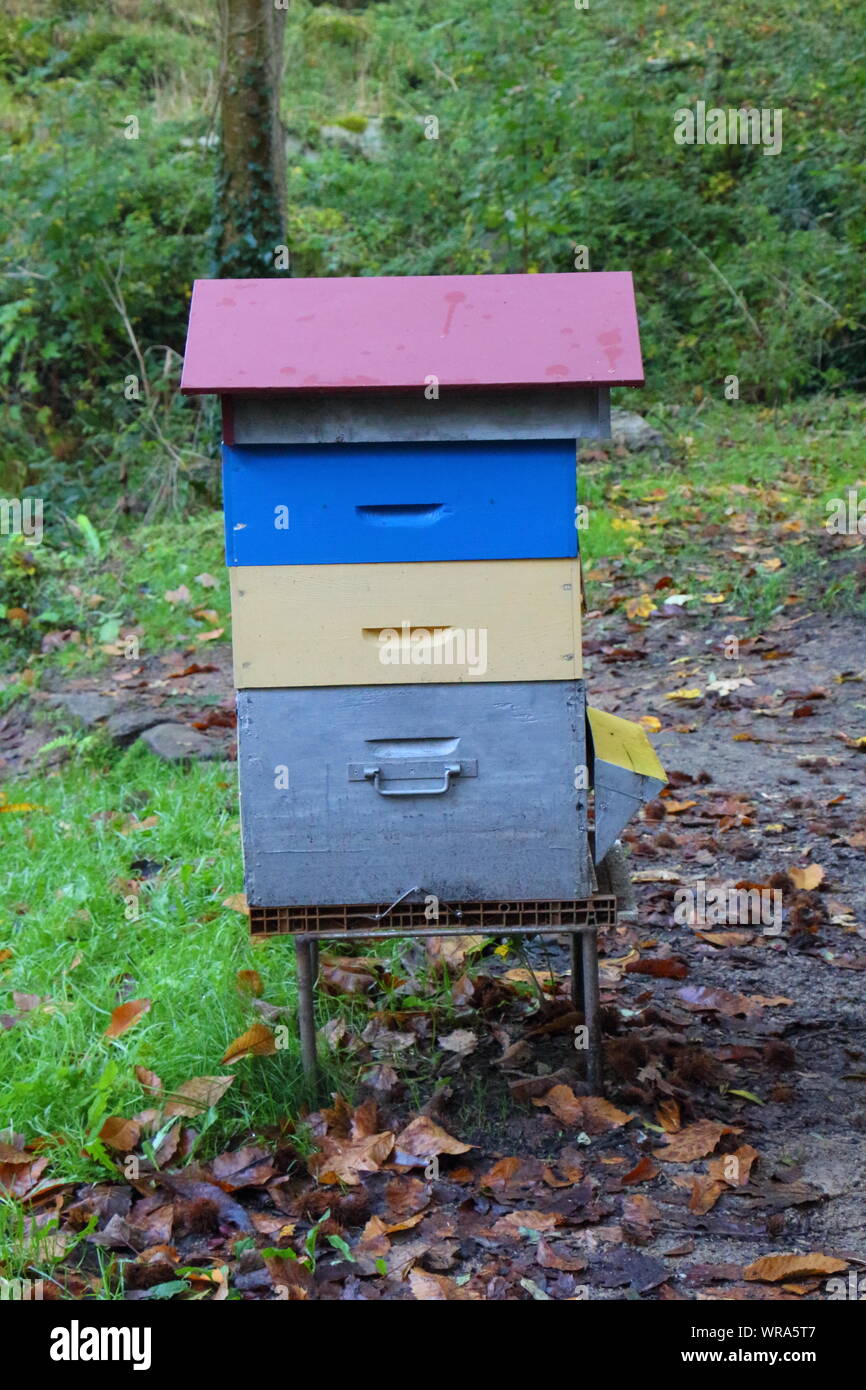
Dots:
pixel 773 757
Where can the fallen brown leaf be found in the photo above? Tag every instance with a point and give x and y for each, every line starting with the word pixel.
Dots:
pixel 120 1134
pixel 438 1288
pixel 511 1224
pixel 639 1215
pixel 125 1016
pixel 661 967
pixel 563 1103
pixel 774 1268
pixel 551 1256
pixel 461 1041
pixel 451 951
pixel 734 1169
pixel 342 1160
pixel 808 878
pixel 148 1080
pixel 695 1141
pixel 348 974
pixel 706 1191
pixel 590 1113
pixel 422 1138
pixel 503 1172
pixel 727 938
pixel 199 1094
pixel 668 1116
pixel 643 1171
pixel 257 1041
pixel 26 1003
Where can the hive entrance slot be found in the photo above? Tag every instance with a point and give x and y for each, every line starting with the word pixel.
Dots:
pixel 435 634
pixel 401 513
pixel 412 747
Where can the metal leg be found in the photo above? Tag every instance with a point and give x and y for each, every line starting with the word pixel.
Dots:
pixel 306 973
pixel 576 971
pixel 591 1011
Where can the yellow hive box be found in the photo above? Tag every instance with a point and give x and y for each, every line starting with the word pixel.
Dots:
pixel 399 624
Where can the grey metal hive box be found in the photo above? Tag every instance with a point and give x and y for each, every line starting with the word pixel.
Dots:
pixel 466 791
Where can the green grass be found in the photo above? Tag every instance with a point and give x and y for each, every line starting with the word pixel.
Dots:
pixel 69 848
pixel 63 586
pixel 64 876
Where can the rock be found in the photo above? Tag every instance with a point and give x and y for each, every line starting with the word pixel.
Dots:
pixel 340 135
pixel 369 141
pixel 88 709
pixel 175 743
pixel 634 433
pixel 125 725
pixel 373 138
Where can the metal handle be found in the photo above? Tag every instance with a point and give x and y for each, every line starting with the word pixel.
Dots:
pixel 450 770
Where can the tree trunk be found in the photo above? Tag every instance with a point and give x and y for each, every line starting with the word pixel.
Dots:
pixel 250 215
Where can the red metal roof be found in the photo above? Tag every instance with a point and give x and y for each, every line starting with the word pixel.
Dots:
pixel 391 334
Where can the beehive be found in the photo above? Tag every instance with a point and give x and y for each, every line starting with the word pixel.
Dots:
pixel 400 492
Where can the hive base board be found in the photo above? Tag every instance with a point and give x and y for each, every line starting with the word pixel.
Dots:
pixel 544 917
pixel 580 919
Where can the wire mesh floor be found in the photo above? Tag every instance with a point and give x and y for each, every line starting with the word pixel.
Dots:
pixel 452 919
